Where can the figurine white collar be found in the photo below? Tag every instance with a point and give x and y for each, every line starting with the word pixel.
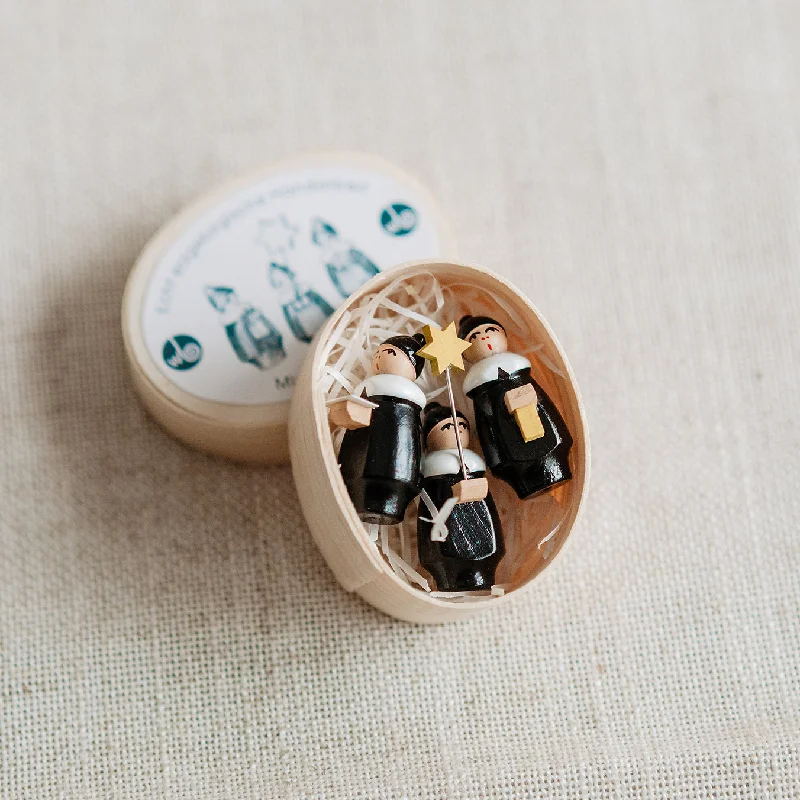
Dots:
pixel 393 386
pixel 445 462
pixel 486 369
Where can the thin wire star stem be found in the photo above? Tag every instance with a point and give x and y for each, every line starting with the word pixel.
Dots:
pixel 455 423
pixel 443 350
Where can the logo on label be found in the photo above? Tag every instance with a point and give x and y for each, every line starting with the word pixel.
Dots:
pixel 182 352
pixel 398 219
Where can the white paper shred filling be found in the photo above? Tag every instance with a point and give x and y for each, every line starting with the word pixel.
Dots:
pixel 403 308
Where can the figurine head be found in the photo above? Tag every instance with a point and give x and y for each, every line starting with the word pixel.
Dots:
pixel 486 336
pixel 440 432
pixel 322 232
pixel 398 356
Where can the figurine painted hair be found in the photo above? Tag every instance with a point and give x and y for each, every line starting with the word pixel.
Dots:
pixel 468 557
pixel 522 434
pixel 382 448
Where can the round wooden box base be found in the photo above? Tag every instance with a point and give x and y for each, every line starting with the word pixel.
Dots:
pixel 354 559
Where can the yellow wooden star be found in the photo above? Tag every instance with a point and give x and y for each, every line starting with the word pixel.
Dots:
pixel 443 348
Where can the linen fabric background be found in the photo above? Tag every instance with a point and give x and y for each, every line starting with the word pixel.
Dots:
pixel 167 627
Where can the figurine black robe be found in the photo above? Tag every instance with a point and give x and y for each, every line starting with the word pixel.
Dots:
pixel 528 467
pixel 380 464
pixel 468 558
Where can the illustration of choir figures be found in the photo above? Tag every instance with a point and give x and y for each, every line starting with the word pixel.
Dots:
pixel 381 450
pixel 303 309
pixel 462 551
pixel 523 436
pixel 347 266
pixel 253 338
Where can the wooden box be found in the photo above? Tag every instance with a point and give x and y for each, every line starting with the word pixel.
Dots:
pixel 536 529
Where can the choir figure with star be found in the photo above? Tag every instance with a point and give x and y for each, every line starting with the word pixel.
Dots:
pixel 392 452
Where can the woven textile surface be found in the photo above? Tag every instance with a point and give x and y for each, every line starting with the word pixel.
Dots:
pixel 167 626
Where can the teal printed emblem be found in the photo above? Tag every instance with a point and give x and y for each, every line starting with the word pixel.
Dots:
pixel 182 352
pixel 398 219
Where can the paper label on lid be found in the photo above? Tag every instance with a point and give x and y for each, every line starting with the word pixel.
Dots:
pixel 233 303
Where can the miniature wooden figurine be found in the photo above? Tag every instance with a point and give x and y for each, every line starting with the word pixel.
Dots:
pixel 382 448
pixel 463 553
pixel 523 436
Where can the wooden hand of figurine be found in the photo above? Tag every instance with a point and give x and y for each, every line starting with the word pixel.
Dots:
pixel 471 490
pixel 520 397
pixel 348 413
